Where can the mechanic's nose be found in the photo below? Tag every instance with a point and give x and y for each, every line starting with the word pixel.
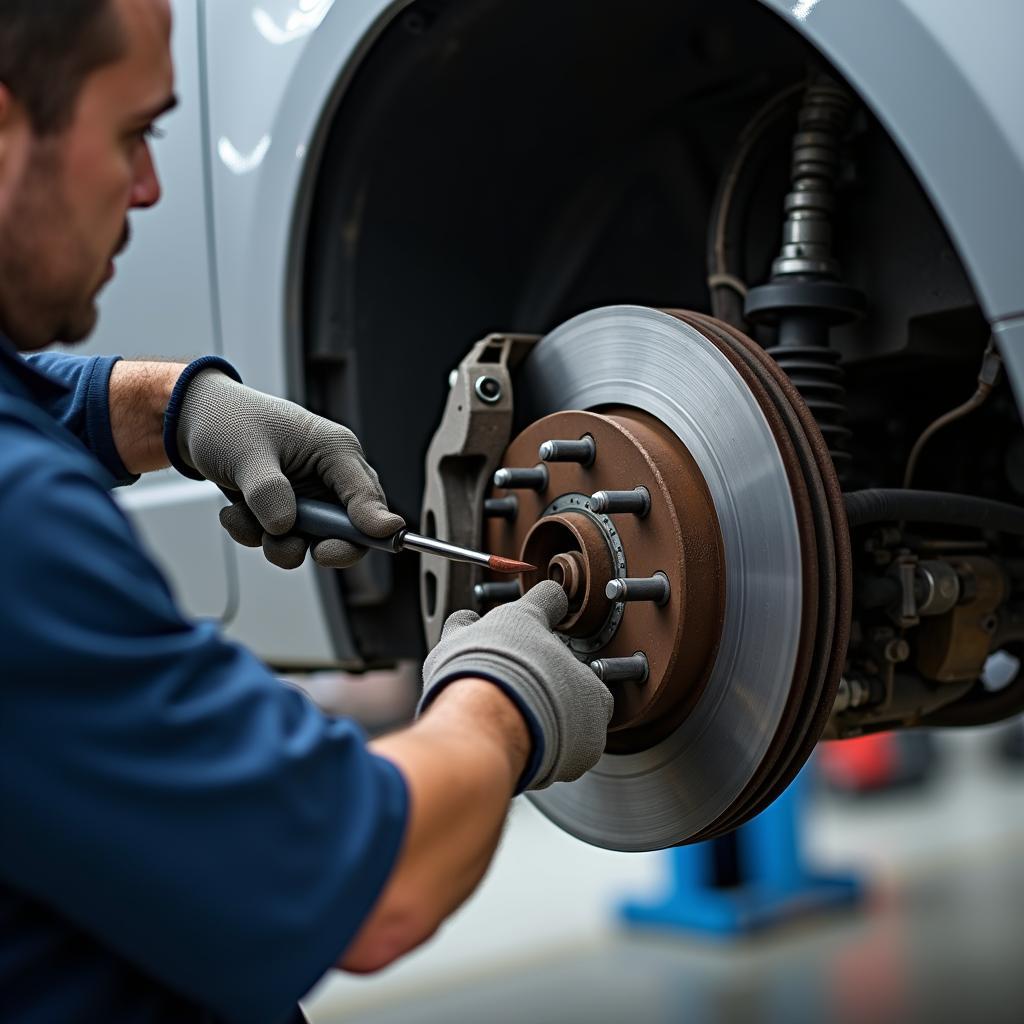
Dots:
pixel 146 190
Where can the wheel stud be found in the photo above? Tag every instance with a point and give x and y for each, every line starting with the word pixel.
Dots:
pixel 535 479
pixel 501 508
pixel 654 588
pixel 636 501
pixel 622 670
pixel 583 451
pixel 496 593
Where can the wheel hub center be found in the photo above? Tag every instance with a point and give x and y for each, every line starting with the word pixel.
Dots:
pixel 570 548
pixel 674 537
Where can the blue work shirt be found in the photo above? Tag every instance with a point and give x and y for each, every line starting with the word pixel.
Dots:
pixel 182 837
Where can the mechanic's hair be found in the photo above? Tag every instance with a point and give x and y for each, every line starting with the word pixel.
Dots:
pixel 49 47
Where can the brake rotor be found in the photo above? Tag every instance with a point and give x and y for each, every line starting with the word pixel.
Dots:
pixel 745 524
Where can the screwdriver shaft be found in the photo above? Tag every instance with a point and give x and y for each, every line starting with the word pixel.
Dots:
pixel 433 546
pixel 324 519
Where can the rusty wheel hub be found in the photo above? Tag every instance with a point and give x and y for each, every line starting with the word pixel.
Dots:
pixel 557 529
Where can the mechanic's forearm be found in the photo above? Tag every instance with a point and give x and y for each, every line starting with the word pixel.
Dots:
pixel 461 762
pixel 139 393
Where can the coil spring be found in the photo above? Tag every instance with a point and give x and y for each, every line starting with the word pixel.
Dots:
pixel 811 364
pixel 822 119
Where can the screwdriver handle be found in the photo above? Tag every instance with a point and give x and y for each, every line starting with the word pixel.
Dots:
pixel 323 519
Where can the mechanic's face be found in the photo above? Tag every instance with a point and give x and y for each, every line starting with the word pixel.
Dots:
pixel 64 198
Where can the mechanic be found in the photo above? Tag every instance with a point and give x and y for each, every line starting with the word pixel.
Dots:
pixel 184 837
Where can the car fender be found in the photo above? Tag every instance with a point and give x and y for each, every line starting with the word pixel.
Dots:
pixel 945 79
pixel 265 133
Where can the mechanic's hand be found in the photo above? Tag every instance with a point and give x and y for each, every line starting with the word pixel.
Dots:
pixel 270 450
pixel 515 645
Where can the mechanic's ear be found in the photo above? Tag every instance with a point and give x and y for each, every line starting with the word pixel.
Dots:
pixel 15 133
pixel 6 105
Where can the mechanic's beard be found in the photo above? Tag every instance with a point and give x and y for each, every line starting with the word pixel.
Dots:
pixel 44 296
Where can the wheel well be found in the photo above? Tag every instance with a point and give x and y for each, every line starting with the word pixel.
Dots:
pixel 504 164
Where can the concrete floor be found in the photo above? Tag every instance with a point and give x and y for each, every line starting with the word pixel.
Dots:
pixel 941 937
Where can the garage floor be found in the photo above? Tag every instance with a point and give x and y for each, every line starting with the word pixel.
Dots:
pixel 941 938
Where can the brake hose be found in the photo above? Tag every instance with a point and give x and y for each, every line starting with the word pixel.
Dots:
pixel 892 505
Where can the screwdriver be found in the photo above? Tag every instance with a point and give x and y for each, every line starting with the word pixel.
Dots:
pixel 325 520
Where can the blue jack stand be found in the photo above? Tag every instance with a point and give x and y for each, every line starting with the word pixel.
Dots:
pixel 752 879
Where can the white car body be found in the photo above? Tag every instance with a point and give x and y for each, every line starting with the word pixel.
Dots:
pixel 217 266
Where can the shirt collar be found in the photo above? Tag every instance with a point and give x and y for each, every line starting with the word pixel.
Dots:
pixel 39 386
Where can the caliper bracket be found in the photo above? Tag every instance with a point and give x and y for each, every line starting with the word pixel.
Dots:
pixel 465 451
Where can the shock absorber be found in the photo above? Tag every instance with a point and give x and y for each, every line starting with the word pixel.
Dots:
pixel 805 297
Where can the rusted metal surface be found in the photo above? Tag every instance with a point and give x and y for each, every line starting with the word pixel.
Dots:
pixel 953 647
pixel 679 537
pixel 816 680
pixel 794 461
pixel 570 548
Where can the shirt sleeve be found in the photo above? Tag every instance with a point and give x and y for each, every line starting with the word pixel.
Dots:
pixel 85 408
pixel 159 787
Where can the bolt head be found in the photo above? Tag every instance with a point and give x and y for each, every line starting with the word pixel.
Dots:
pixel 488 389
pixel 897 650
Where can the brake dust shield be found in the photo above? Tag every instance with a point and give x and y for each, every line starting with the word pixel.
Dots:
pixel 746 524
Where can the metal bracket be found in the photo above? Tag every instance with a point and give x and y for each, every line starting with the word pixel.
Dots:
pixel 904 571
pixel 475 430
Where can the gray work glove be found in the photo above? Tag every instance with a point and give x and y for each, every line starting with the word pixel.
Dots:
pixel 271 450
pixel 514 644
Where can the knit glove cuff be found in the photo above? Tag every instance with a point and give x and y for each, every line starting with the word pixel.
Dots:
pixel 514 646
pixel 173 411
pixel 535 708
